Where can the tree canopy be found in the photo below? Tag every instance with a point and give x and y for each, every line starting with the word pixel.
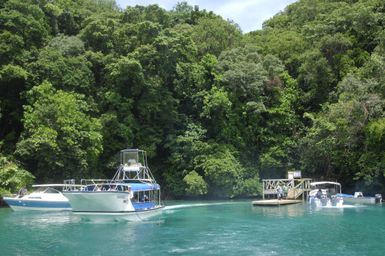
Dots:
pixel 216 110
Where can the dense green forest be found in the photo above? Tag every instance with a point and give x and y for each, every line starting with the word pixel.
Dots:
pixel 216 109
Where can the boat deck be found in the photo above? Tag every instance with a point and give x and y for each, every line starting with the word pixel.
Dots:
pixel 275 202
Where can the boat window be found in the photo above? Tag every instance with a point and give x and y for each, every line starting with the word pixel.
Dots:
pixel 89 188
pixel 155 196
pixel 122 188
pixel 111 187
pixel 136 197
pixel 143 196
pixel 132 181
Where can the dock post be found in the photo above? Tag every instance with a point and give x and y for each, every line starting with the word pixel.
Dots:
pixel 263 190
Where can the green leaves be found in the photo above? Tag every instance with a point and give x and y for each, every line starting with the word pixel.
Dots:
pixel 27 20
pixel 208 167
pixel 215 109
pixel 59 135
pixel 196 185
pixel 216 104
pixel 98 33
pixel 13 176
pixel 62 64
pixel 11 47
pixel 127 76
pixel 222 170
pixel 214 35
pixel 372 161
pixel 375 131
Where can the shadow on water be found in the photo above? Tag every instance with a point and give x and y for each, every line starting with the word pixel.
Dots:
pixel 294 210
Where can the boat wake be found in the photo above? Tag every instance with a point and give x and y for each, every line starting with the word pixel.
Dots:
pixel 342 206
pixel 180 206
pixel 117 220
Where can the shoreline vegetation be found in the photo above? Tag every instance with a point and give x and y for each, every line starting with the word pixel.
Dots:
pixel 216 109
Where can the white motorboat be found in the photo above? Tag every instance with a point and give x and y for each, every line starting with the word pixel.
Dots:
pixel 45 198
pixel 359 198
pixel 132 191
pixel 325 194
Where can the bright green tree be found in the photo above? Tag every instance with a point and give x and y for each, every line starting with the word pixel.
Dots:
pixel 196 185
pixel 60 139
pixel 12 176
pixel 213 35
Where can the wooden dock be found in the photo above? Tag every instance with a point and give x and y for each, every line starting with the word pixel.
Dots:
pixel 275 202
pixel 295 188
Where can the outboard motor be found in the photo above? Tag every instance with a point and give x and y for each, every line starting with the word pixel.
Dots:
pixel 324 200
pixel 337 200
pixel 378 198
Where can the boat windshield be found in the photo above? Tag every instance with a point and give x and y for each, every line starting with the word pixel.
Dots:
pixel 331 187
pixel 51 191
pixel 47 190
pixel 130 157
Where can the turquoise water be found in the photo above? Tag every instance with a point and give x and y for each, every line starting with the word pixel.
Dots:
pixel 191 228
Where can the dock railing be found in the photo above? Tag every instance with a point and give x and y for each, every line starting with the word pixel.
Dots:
pixel 292 188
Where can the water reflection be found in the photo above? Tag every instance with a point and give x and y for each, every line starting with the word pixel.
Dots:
pixel 189 205
pixel 121 219
pixel 334 209
pixel 42 219
pixel 294 210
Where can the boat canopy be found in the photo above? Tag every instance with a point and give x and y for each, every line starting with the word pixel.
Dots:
pixel 326 185
pixel 143 186
pixel 48 185
pixel 56 185
pixel 314 184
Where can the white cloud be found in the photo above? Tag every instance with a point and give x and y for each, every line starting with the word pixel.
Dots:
pixel 248 14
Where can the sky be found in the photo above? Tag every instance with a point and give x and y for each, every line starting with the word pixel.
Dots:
pixel 248 14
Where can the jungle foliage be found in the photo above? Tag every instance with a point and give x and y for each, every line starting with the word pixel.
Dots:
pixel 216 110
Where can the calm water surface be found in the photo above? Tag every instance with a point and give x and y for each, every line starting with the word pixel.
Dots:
pixel 192 228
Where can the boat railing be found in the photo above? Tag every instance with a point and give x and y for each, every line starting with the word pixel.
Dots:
pixel 86 182
pixel 70 185
pixel 96 185
pixel 134 172
pixel 134 166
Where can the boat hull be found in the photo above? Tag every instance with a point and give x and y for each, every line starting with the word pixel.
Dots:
pixel 360 200
pixel 326 202
pixel 126 216
pixel 101 202
pixel 111 203
pixel 20 204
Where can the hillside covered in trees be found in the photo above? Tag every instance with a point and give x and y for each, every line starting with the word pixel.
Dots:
pixel 215 109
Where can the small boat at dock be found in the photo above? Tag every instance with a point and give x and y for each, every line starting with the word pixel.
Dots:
pixel 132 192
pixel 45 198
pixel 325 194
pixel 359 198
